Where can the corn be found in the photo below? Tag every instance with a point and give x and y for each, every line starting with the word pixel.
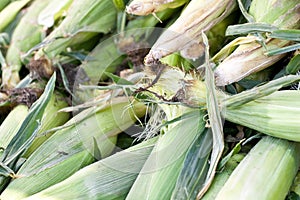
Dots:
pixel 158 176
pixel 51 119
pixel 11 157
pixel 110 178
pixel 250 58
pixel 145 7
pixel 186 31
pixel 8 14
pixel 277 114
pixel 11 124
pixel 82 22
pixel 27 34
pixel 69 149
pixel 267 172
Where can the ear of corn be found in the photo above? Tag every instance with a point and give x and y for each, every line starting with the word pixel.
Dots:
pixel 52 11
pixel 245 60
pixel 81 23
pixel 158 176
pixel 8 14
pixel 198 16
pixel 145 7
pixel 258 108
pixel 250 58
pixel 24 136
pixel 27 34
pixel 11 124
pixel 30 124
pixel 263 114
pixel 110 178
pixel 69 146
pixel 51 119
pixel 267 172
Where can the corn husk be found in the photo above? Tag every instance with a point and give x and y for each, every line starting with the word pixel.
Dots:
pixel 146 7
pixel 267 172
pixel 110 178
pixel 194 171
pixel 26 34
pixel 11 124
pixel 70 149
pixel 11 156
pixel 158 176
pixel 295 188
pixel 198 16
pixel 257 108
pixel 52 118
pixel 82 22
pixel 250 58
pixel 222 176
pixel 8 14
pixel 277 114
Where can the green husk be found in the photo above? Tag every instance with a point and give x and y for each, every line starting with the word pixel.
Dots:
pixel 215 121
pixel 82 22
pixel 11 156
pixel 11 124
pixel 70 149
pixel 274 12
pixel 158 176
pixel 195 168
pixel 267 172
pixel 262 108
pixel 51 119
pixel 26 34
pixel 110 178
pixel 294 65
pixel 34 182
pixel 289 34
pixel 8 14
pixel 277 114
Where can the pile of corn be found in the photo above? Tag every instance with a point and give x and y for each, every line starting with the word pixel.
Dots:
pixel 149 99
